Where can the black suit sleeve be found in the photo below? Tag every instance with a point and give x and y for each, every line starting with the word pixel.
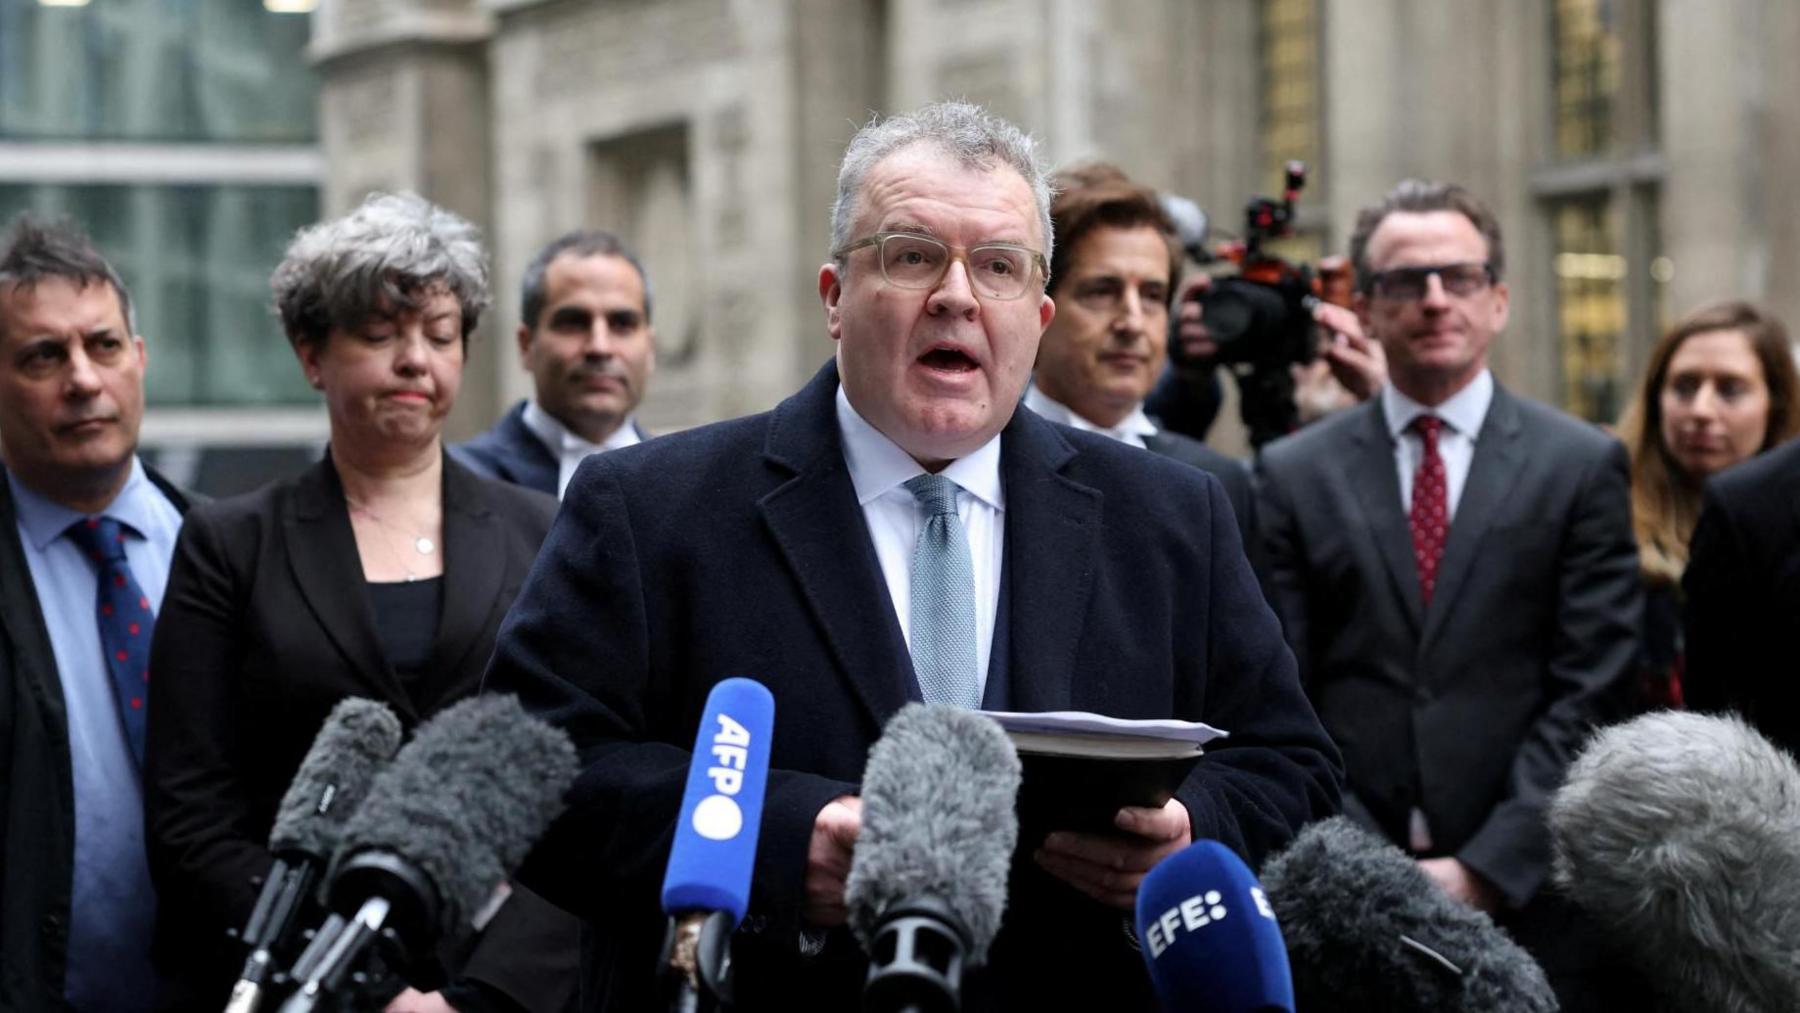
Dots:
pixel 1726 589
pixel 197 817
pixel 1591 661
pixel 1281 558
pixel 576 650
pixel 1277 770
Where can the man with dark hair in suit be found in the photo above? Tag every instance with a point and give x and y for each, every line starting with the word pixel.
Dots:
pixel 1742 591
pixel 1111 277
pixel 1454 567
pixel 899 531
pixel 86 533
pixel 585 337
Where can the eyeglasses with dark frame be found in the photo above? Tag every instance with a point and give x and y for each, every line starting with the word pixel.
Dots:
pixel 1407 284
pixel 917 261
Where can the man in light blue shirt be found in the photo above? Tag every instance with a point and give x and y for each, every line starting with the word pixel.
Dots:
pixel 76 612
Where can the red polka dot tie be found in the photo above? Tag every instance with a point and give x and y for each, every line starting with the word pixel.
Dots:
pixel 123 612
pixel 1430 514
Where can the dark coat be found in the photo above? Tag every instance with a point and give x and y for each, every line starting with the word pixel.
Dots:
pixel 265 627
pixel 1743 594
pixel 739 549
pixel 1232 474
pixel 37 786
pixel 511 452
pixel 1472 708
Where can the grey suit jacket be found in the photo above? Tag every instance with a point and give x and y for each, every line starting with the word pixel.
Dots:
pixel 1470 708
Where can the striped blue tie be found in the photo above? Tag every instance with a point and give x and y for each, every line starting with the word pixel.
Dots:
pixel 943 599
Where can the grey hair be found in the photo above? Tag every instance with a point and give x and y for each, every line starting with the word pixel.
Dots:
pixel 34 250
pixel 976 138
pixel 376 261
pixel 580 243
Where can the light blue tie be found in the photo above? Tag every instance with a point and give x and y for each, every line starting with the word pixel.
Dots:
pixel 943 599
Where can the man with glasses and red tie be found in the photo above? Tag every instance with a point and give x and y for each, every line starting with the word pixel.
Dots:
pixel 899 530
pixel 1454 567
pixel 86 533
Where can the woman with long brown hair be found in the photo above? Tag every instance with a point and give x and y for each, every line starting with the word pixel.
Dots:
pixel 1721 387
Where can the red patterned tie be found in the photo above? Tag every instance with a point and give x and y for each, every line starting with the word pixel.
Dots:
pixel 1430 514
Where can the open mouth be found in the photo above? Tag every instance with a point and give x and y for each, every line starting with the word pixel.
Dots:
pixel 949 359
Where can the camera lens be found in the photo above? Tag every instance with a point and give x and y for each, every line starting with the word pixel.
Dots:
pixel 1240 314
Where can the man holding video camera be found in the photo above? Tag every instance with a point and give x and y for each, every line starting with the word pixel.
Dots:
pixel 1259 325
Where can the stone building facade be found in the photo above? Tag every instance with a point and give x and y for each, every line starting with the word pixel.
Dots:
pixel 1641 153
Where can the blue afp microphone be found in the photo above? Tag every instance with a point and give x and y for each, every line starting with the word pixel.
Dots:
pixel 1210 937
pixel 707 887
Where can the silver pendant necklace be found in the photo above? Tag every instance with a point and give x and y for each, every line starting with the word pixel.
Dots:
pixel 421 544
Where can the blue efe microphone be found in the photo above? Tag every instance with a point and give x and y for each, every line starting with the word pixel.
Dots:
pixel 1210 939
pixel 706 889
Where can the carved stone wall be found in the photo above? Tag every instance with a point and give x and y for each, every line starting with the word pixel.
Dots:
pixel 708 132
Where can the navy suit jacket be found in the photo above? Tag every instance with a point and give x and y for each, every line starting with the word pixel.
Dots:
pixel 738 549
pixel 510 452
pixel 1233 474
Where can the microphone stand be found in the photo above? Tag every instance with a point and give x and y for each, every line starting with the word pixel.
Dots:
pixel 696 962
pixel 924 948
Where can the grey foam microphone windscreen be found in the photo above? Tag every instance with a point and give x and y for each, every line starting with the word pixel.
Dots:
pixel 465 800
pixel 1680 833
pixel 1359 916
pixel 358 738
pixel 937 821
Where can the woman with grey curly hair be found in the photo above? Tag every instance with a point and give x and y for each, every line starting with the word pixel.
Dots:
pixel 382 571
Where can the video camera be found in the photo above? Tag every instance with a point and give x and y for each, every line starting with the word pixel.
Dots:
pixel 1259 319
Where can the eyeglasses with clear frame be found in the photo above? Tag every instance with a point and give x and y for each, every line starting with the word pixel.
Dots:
pixel 1408 284
pixel 917 261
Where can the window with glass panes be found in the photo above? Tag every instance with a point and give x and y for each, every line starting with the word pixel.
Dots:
pixel 1599 194
pixel 152 124
pixel 1289 124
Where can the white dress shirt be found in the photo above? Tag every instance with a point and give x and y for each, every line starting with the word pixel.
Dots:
pixel 1462 413
pixel 569 449
pixel 1132 429
pixel 878 471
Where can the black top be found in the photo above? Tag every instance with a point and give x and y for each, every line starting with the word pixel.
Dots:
pixel 406 621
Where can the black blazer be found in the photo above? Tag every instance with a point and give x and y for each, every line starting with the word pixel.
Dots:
pixel 37 786
pixel 1743 593
pixel 265 626
pixel 738 549
pixel 511 452
pixel 1471 708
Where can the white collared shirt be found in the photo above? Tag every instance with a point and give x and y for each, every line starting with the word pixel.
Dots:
pixel 879 470
pixel 1132 429
pixel 569 449
pixel 1462 413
